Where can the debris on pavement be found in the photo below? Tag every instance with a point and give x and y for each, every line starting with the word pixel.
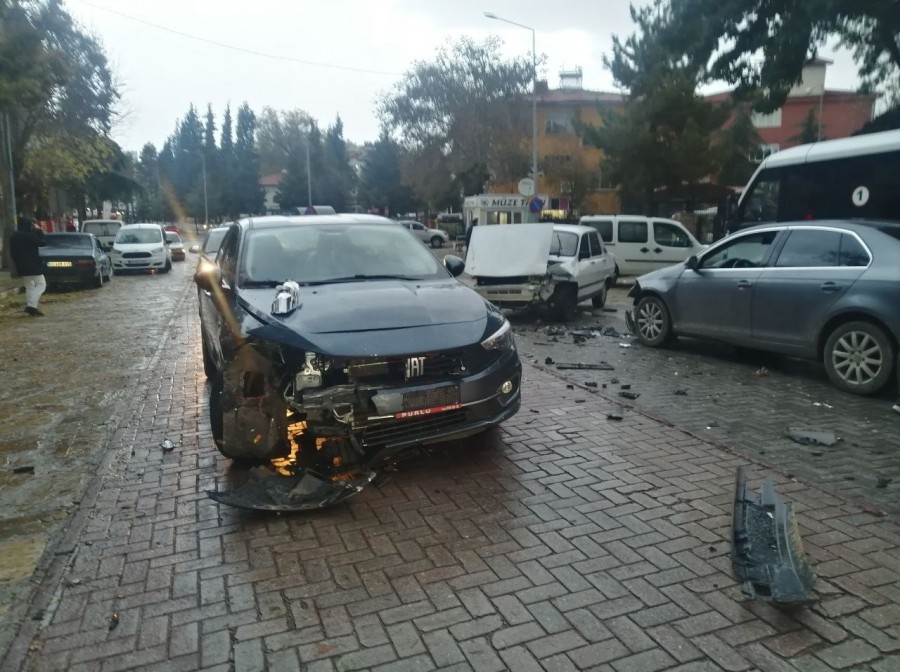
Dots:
pixel 624 345
pixel 761 372
pixel 167 445
pixel 578 366
pixel 27 469
pixel 267 491
pixel 548 361
pixel 113 622
pixel 812 437
pixel 681 392
pixel 590 384
pixel 767 553
pixel 614 415
pixel 628 394
pixel 883 482
pixel 626 387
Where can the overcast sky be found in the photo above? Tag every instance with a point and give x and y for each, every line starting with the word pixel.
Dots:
pixel 162 72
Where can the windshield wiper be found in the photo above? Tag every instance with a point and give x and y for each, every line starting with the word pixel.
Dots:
pixel 261 283
pixel 360 278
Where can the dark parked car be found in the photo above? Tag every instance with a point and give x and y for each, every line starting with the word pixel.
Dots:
pixel 826 290
pixel 75 258
pixel 339 341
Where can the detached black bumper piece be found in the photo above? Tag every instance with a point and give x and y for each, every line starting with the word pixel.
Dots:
pixel 767 552
pixel 267 491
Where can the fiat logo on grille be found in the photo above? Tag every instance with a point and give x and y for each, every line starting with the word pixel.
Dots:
pixel 415 367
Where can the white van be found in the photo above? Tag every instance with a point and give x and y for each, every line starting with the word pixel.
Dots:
pixel 849 178
pixel 643 244
pixel 104 229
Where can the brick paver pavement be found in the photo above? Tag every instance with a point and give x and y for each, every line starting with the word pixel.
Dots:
pixel 725 403
pixel 563 541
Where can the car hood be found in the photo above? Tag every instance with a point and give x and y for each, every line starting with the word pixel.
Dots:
pixel 661 279
pixel 361 319
pixel 509 250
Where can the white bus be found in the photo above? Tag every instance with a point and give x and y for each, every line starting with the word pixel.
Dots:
pixel 850 178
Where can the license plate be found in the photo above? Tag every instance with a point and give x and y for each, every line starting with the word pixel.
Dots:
pixel 436 400
pixel 59 264
pixel 136 263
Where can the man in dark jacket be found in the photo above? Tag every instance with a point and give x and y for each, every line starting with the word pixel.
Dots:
pixel 23 248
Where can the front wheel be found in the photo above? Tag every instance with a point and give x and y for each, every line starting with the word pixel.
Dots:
pixel 98 281
pixel 600 300
pixel 651 321
pixel 209 366
pixel 437 241
pixel 859 358
pixel 216 412
pixel 564 303
pixel 167 267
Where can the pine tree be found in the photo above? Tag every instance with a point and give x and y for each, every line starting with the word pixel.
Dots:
pixel 248 194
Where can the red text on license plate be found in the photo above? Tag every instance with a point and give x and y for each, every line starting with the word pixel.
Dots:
pixel 426 411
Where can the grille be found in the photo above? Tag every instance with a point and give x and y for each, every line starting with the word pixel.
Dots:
pixel 441 365
pixel 396 431
pixel 513 280
pixel 136 255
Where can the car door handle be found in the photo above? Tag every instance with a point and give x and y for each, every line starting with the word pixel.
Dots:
pixel 829 287
pixel 658 250
pixel 744 284
pixel 645 250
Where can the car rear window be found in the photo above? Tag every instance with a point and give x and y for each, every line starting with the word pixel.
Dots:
pixel 139 236
pixel 102 228
pixel 604 228
pixel 172 237
pixel 64 240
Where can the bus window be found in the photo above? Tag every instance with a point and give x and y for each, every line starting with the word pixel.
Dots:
pixel 761 204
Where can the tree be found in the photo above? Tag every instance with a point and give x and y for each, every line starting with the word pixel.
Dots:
pixel 57 91
pixel 338 176
pixel 665 136
pixel 809 129
pixel 227 165
pixel 281 134
pixel 381 185
pixel 576 179
pixel 468 106
pixel 740 141
pixel 729 35
pixel 245 185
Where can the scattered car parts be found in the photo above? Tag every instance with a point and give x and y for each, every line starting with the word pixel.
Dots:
pixel 812 437
pixel 767 552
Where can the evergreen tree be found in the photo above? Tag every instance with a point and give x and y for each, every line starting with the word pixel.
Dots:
pixel 226 167
pixel 380 182
pixel 339 178
pixel 245 185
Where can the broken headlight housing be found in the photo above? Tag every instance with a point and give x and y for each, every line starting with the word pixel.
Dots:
pixel 311 375
pixel 502 339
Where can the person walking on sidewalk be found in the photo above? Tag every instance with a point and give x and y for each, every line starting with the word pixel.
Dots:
pixel 23 248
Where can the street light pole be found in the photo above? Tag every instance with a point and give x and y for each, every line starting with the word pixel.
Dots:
pixel 534 94
pixel 205 199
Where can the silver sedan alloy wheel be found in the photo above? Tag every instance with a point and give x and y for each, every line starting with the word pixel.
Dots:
pixel 857 358
pixel 650 320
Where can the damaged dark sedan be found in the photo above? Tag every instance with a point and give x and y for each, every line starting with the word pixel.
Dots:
pixel 335 343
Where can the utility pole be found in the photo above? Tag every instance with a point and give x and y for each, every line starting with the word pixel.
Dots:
pixel 9 185
pixel 308 177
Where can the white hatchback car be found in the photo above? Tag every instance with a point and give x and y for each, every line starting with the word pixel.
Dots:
pixel 141 247
pixel 546 265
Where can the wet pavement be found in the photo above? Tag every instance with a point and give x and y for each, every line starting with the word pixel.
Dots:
pixel 68 379
pixel 565 540
pixel 743 400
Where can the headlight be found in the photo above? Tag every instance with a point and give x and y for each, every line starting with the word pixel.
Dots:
pixel 311 375
pixel 156 250
pixel 500 339
pixel 116 251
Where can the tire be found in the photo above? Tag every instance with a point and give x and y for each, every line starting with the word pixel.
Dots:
pixel 98 281
pixel 859 358
pixel 209 366
pixel 167 267
pixel 109 274
pixel 564 302
pixel 600 300
pixel 652 322
pixel 437 241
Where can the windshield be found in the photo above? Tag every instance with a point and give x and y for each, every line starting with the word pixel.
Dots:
pixel 69 240
pixel 335 252
pixel 102 228
pixel 172 237
pixel 139 236
pixel 214 239
pixel 563 244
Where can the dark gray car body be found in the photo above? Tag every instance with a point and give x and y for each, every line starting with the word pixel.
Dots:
pixel 76 258
pixel 783 301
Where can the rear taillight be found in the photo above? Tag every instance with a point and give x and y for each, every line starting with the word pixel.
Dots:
pixel 86 262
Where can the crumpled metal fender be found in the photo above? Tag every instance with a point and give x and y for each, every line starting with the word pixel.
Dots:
pixel 254 413
pixel 767 552
pixel 265 490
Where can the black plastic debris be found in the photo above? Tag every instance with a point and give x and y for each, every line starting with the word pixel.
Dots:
pixel 629 321
pixel 167 445
pixel 883 482
pixel 113 621
pixel 812 437
pixel 548 361
pixel 681 392
pixel 29 469
pixel 766 550
pixel 628 394
pixel 268 491
pixel 590 384
pixel 610 310
pixel 626 387
pixel 577 366
pixel 614 415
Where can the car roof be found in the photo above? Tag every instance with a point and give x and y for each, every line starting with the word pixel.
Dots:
pixel 573 228
pixel 142 225
pixel 849 224
pixel 104 221
pixel 271 221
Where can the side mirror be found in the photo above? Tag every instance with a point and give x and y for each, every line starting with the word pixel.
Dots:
pixel 454 264
pixel 691 263
pixel 195 249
